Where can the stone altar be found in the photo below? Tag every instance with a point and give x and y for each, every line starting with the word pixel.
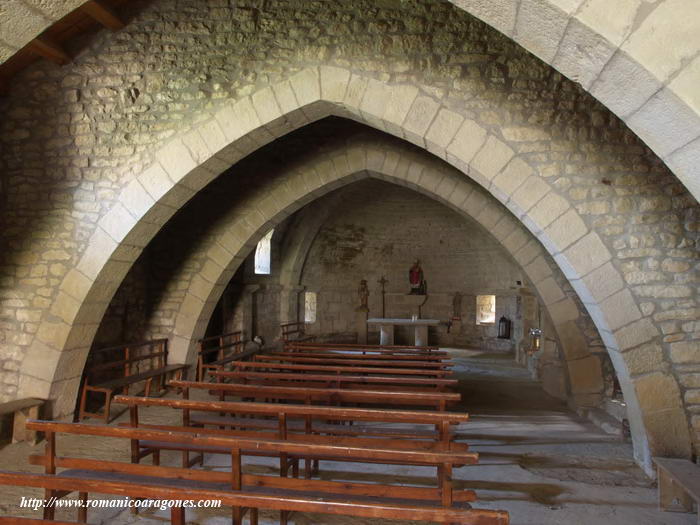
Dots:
pixel 386 329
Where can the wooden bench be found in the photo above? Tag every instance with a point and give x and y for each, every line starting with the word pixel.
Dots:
pixel 305 418
pixel 348 362
pixel 238 447
pixel 342 354
pixel 341 369
pixel 679 484
pixel 311 380
pixel 131 367
pixel 239 499
pixel 22 410
pixel 437 400
pixel 295 332
pixel 387 349
pixel 225 348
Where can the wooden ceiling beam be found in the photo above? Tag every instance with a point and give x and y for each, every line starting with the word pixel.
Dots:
pixel 102 14
pixel 49 50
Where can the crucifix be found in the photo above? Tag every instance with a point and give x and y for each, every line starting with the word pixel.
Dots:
pixel 383 281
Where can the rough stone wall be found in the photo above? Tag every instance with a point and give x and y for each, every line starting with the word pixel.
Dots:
pixel 72 137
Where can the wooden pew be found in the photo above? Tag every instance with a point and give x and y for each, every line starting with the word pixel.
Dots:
pixel 311 380
pixel 340 369
pixel 238 447
pixel 438 400
pixel 155 360
pixel 341 354
pixel 295 331
pixel 382 349
pixel 22 410
pixel 226 348
pixel 347 362
pixel 239 499
pixel 305 418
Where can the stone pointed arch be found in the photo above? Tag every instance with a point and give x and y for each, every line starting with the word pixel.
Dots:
pixel 639 59
pixel 187 163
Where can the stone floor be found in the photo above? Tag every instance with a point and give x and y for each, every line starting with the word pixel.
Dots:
pixel 539 461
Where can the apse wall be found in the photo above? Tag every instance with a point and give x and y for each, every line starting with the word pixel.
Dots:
pixel 378 229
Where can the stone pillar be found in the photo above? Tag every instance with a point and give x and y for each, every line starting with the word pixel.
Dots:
pixel 247 302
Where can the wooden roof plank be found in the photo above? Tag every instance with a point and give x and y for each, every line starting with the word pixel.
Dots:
pixel 102 14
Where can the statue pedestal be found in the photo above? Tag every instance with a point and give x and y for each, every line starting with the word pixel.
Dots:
pixel 361 314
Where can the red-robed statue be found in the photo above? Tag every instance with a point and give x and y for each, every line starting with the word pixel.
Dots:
pixel 415 278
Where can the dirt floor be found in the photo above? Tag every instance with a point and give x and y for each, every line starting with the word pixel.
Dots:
pixel 538 461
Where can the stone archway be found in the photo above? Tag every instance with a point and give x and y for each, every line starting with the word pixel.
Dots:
pixel 186 164
pixel 334 168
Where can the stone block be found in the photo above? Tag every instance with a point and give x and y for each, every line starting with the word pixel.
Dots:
pixel 645 359
pixel 587 254
pixel 564 231
pixel 512 176
pixel 666 38
pixel 419 117
pixel 550 291
pixel 334 83
pixel 547 210
pixel 306 86
pixel 563 311
pixel 585 375
pixel 665 122
pixel 538 270
pixel 620 309
pixel 499 14
pixel 491 158
pixel 636 334
pixel 527 195
pixel 685 352
pixel 657 391
pixel 582 53
pixel 540 26
pixel 442 130
pixel 467 142
pixel 96 255
pixel 176 160
pixel 573 341
pixel 603 282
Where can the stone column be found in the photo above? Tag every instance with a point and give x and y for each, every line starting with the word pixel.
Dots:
pixel 247 302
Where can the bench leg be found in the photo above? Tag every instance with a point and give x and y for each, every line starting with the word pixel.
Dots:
pixel 83 401
pixel 147 391
pixel 177 515
pixel 253 516
pixel 82 511
pixel 672 497
pixel 49 510
pixel 108 405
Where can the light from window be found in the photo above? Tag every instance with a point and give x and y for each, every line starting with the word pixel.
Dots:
pixel 262 254
pixel 309 307
pixel 485 309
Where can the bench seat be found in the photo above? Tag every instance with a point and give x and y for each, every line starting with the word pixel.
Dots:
pixel 679 484
pixel 22 410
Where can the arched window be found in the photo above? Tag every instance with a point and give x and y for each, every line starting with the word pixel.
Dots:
pixel 309 307
pixel 262 254
pixel 485 309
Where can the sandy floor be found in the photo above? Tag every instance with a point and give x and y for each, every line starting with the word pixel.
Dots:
pixel 539 461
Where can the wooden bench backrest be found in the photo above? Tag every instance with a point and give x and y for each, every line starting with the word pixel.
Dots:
pixel 255 444
pixel 326 394
pixel 341 369
pixel 154 351
pixel 292 410
pixel 289 329
pixel 342 354
pixel 362 348
pixel 333 378
pixel 236 498
pixel 342 361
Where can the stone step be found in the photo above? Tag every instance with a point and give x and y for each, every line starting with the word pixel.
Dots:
pixel 603 420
